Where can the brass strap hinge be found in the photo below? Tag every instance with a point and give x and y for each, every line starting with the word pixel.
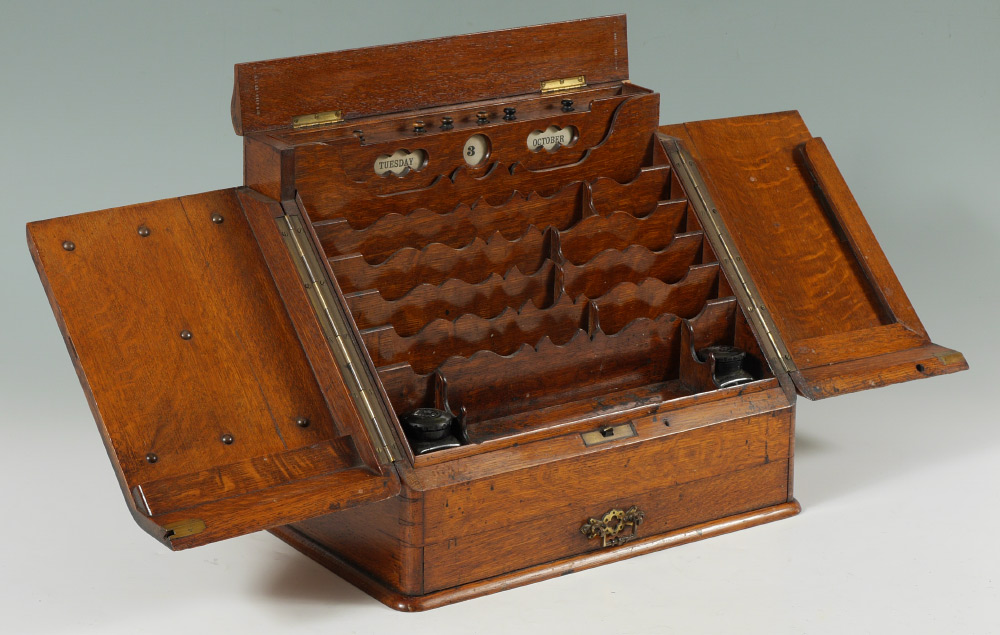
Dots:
pixel 318 119
pixel 333 319
pixel 566 83
pixel 719 238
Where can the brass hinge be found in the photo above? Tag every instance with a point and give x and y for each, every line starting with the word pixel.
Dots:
pixel 183 528
pixel 333 319
pixel 318 119
pixel 566 83
pixel 732 264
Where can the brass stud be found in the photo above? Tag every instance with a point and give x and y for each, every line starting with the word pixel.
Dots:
pixel 302 422
pixel 68 245
pixel 143 231
pixel 227 439
pixel 186 334
pixel 217 218
pixel 152 458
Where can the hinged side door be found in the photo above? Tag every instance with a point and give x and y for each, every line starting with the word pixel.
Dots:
pixel 208 405
pixel 828 304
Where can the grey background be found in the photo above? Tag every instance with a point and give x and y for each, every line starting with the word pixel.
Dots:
pixel 105 104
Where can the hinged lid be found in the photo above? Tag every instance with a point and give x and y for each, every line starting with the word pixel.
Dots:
pixel 812 278
pixel 450 70
pixel 177 316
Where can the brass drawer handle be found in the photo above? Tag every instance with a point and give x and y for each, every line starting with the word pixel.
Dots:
pixel 611 525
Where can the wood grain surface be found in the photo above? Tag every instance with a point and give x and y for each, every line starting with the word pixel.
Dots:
pixel 367 81
pixel 194 371
pixel 822 275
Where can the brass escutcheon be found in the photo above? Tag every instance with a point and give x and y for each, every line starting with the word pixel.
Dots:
pixel 611 524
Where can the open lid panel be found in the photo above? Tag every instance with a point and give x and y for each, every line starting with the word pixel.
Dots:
pixel 378 80
pixel 176 316
pixel 827 303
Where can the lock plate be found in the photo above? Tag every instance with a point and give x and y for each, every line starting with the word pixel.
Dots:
pixel 604 434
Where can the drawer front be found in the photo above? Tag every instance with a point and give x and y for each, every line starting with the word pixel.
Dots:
pixel 532 516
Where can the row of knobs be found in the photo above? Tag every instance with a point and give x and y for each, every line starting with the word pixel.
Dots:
pixel 482 117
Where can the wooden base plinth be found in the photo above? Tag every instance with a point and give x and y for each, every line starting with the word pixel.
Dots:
pixel 400 602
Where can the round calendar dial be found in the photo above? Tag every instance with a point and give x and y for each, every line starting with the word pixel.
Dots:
pixel 476 149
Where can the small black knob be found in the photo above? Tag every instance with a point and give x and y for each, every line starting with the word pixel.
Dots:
pixel 567 105
pixel 727 358
pixel 481 117
pixel 428 424
pixel 143 231
pixel 446 123
pixel 509 114
pixel 418 127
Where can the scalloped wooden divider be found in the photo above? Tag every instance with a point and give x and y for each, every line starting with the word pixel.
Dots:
pixel 490 386
pixel 436 263
pixel 469 334
pixel 611 266
pixel 638 197
pixel 620 230
pixel 457 228
pixel 628 301
pixel 505 333
pixel 454 298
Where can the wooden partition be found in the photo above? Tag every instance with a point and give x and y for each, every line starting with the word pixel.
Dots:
pixel 534 279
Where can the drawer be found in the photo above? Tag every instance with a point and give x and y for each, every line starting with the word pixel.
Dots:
pixel 495 525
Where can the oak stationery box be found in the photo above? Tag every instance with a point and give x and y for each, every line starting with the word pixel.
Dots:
pixel 475 319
